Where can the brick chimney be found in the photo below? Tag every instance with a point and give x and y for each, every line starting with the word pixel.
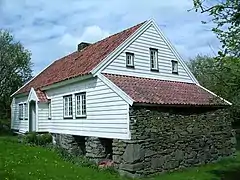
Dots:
pixel 82 45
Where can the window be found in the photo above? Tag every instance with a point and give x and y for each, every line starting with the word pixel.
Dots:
pixel 80 100
pixel 49 110
pixel 174 67
pixel 67 107
pixel 25 111
pixel 154 59
pixel 129 59
pixel 20 111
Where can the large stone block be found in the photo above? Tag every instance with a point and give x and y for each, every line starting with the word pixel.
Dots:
pixel 131 167
pixel 133 153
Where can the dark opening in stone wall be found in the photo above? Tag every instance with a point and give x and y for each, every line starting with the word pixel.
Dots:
pixel 107 144
pixel 81 143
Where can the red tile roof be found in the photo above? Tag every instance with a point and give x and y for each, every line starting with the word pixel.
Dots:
pixel 153 91
pixel 79 63
pixel 41 96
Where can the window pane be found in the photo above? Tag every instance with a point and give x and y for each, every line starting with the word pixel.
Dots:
pixel 174 66
pixel 25 111
pixel 65 106
pixel 84 104
pixel 70 106
pixel 81 104
pixel 129 59
pixel 20 113
pixel 153 59
pixel 49 110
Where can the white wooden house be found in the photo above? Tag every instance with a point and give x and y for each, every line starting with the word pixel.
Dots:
pixel 89 92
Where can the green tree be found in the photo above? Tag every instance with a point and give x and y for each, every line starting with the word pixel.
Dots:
pixel 225 14
pixel 221 77
pixel 15 69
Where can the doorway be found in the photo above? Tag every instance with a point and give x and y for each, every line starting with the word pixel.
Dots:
pixel 32 116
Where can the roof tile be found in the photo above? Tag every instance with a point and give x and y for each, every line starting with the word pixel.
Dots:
pixel 153 91
pixel 80 62
pixel 41 96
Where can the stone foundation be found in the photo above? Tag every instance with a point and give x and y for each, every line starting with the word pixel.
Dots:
pixel 170 139
pixel 98 148
pixel 161 140
pixel 73 144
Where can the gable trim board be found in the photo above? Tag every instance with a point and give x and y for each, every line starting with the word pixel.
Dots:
pixel 109 59
pixel 174 51
pixel 118 50
pixel 32 96
pixel 229 103
pixel 115 88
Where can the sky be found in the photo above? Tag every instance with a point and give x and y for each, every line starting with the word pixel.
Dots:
pixel 52 29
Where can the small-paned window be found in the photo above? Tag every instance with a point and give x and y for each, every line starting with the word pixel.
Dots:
pixel 67 106
pixel 154 59
pixel 129 59
pixel 20 111
pixel 174 67
pixel 80 103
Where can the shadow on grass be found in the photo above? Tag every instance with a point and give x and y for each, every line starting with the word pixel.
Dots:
pixel 233 174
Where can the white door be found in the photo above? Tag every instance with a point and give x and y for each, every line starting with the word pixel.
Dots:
pixel 32 116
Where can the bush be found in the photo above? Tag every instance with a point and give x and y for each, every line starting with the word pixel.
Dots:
pixel 5 126
pixel 78 160
pixel 37 139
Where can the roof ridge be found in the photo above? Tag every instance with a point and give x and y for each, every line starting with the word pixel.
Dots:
pixel 120 32
pixel 147 78
pixel 96 43
pixel 80 52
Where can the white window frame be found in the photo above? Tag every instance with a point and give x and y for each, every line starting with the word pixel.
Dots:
pixel 68 107
pixel 49 110
pixel 154 59
pixel 174 67
pixel 129 59
pixel 81 105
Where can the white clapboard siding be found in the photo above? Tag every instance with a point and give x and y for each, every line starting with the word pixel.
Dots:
pixel 43 121
pixel 17 124
pixel 107 113
pixel 140 47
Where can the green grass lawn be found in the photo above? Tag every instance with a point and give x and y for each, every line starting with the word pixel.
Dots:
pixel 21 162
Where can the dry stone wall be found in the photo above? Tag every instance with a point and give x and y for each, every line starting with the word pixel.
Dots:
pixel 162 139
pixel 169 139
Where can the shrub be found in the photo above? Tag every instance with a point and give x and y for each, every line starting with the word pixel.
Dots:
pixel 37 139
pixel 5 126
pixel 78 160
pixel 44 139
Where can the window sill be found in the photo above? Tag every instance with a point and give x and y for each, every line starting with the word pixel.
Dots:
pixel 67 117
pixel 80 117
pixel 129 66
pixel 155 70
